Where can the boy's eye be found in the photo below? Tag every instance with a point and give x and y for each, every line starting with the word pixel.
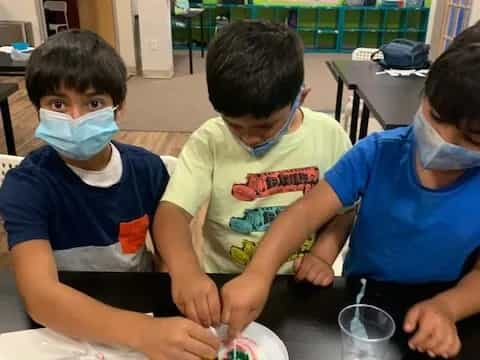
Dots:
pixel 57 105
pixel 95 104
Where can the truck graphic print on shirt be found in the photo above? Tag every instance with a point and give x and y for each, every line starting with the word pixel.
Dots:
pixel 276 182
pixel 258 219
pixel 242 255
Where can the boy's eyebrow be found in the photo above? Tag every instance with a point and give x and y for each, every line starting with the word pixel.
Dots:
pixel 92 92
pixel 58 94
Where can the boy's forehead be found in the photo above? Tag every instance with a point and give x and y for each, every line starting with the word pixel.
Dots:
pixel 69 91
pixel 275 117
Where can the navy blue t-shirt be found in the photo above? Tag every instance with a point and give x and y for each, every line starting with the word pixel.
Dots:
pixel 405 232
pixel 88 227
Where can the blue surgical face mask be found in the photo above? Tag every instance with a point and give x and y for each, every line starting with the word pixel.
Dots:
pixel 261 149
pixel 80 138
pixel 437 154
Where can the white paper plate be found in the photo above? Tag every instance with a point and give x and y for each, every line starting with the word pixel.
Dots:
pixel 259 342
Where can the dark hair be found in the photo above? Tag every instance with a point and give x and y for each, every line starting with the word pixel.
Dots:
pixel 254 68
pixel 453 83
pixel 78 60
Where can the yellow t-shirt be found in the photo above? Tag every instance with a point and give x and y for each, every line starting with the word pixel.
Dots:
pixel 246 193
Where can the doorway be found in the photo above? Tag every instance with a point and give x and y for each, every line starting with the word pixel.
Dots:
pixel 93 15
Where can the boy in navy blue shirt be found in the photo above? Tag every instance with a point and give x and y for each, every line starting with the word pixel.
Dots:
pixel 85 203
pixel 417 224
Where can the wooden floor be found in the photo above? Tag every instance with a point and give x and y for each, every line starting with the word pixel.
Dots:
pixel 25 120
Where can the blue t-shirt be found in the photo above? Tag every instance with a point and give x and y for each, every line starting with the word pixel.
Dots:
pixel 405 232
pixel 88 227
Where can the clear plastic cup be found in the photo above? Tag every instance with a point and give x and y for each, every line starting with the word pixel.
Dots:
pixel 366 332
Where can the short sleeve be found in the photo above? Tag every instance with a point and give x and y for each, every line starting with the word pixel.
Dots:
pixel 350 175
pixel 342 143
pixel 191 182
pixel 24 206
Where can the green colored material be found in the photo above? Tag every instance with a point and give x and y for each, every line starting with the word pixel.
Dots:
pixel 322 28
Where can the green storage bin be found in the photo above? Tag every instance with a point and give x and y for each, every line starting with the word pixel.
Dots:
pixel 372 19
pixel 414 19
pixel 326 41
pixel 393 18
pixel 352 19
pixel 416 36
pixel 370 39
pixel 308 38
pixel 307 18
pixel 390 36
pixel 327 18
pixel 351 40
pixel 239 13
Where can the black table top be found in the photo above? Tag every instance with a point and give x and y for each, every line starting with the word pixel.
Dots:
pixel 303 316
pixel 8 66
pixel 392 100
pixel 7 89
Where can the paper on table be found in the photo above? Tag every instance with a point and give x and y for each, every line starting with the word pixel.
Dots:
pixel 8 49
pixel 45 344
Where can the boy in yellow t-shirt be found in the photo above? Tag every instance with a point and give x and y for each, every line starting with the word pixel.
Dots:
pixel 263 153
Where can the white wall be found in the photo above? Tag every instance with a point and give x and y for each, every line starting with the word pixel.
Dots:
pixel 22 10
pixel 124 23
pixel 475 15
pixel 431 21
pixel 156 37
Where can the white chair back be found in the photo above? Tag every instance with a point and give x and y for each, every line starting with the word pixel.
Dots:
pixel 365 54
pixel 8 162
pixel 170 163
pixel 60 6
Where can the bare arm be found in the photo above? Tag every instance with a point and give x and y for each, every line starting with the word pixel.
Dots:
pixel 173 239
pixel 292 227
pixel 464 299
pixel 331 240
pixel 77 315
pixel 64 309
pixel 194 293
pixel 244 297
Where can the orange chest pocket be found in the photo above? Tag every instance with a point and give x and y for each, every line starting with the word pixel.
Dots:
pixel 132 234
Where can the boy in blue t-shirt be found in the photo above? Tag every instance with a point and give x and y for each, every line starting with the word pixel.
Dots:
pixel 419 187
pixel 85 203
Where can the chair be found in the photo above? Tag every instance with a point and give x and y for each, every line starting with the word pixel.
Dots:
pixel 182 19
pixel 170 163
pixel 58 7
pixel 365 54
pixel 8 162
pixel 359 54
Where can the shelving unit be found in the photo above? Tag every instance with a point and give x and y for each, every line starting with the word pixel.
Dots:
pixel 323 28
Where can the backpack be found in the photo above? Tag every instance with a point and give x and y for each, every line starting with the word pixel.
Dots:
pixel 404 54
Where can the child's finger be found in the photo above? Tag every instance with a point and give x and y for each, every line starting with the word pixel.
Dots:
pixel 214 307
pixel 297 263
pixel 424 332
pixel 239 320
pixel 303 271
pixel 313 273
pixel 323 279
pixel 203 311
pixel 191 312
pixel 443 349
pixel 226 312
pixel 435 340
pixel 411 319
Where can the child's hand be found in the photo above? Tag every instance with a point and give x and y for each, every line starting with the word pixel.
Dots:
pixel 196 296
pixel 436 333
pixel 313 269
pixel 177 338
pixel 243 300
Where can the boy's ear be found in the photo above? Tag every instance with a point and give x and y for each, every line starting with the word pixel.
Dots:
pixel 120 112
pixel 304 95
